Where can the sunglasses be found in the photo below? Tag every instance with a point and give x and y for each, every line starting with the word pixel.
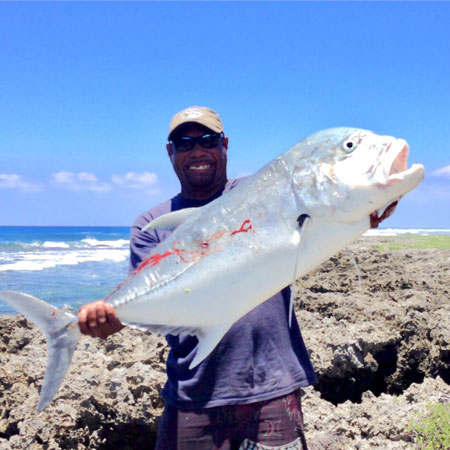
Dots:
pixel 186 143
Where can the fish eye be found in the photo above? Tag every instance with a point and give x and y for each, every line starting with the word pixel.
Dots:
pixel 349 145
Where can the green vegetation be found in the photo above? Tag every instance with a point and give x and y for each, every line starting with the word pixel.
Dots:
pixel 413 241
pixel 432 428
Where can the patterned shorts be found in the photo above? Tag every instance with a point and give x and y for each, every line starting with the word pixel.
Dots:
pixel 298 444
pixel 275 424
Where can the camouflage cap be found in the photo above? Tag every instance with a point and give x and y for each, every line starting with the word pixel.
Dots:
pixel 196 114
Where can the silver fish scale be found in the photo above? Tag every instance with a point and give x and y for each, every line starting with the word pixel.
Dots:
pixel 227 227
pixel 140 288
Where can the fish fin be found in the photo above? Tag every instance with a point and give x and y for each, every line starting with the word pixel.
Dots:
pixel 302 220
pixel 208 338
pixel 207 341
pixel 164 329
pixel 291 303
pixel 61 331
pixel 171 220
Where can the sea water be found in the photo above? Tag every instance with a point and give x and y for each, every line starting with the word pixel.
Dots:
pixel 66 266
pixel 70 266
pixel 400 231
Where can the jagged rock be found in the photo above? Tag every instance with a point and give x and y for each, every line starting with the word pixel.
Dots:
pixel 381 351
pixel 109 399
pixel 381 422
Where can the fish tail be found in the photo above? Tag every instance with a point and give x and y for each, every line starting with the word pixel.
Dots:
pixel 61 331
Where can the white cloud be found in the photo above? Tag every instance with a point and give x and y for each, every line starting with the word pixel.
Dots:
pixel 63 177
pixel 84 176
pixel 134 180
pixel 443 172
pixel 85 181
pixel 81 181
pixel 16 181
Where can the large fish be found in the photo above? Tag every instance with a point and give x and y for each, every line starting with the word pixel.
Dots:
pixel 229 256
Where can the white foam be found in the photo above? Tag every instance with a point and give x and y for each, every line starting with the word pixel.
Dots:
pixel 84 243
pixel 46 260
pixel 51 244
pixel 119 243
pixel 34 244
pixel 398 231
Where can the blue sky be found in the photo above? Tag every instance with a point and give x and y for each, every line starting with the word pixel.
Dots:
pixel 87 91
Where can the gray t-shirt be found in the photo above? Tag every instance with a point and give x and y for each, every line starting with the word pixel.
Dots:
pixel 259 358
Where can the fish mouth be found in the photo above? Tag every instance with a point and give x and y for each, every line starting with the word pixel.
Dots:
pixel 398 179
pixel 398 165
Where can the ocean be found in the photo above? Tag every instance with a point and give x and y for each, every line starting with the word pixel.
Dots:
pixel 70 266
pixel 66 266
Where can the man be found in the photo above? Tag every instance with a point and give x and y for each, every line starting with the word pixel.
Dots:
pixel 244 395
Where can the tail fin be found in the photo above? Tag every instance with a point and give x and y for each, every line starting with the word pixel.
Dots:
pixel 61 331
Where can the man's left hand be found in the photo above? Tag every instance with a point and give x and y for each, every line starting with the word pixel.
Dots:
pixel 375 220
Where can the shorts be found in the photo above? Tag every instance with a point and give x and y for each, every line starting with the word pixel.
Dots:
pixel 275 424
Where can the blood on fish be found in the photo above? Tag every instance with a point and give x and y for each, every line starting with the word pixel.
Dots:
pixel 119 286
pixel 180 252
pixel 153 260
pixel 217 234
pixel 186 256
pixel 246 226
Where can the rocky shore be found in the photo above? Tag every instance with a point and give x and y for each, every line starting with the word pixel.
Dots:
pixel 381 349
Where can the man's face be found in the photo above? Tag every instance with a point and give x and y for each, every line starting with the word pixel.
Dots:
pixel 201 171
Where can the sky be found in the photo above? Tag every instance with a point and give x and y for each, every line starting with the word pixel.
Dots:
pixel 87 90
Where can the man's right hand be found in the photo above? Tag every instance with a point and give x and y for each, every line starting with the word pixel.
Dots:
pixel 98 319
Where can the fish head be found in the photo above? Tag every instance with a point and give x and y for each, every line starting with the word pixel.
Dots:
pixel 346 173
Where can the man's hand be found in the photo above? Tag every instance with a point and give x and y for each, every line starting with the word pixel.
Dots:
pixel 98 319
pixel 375 220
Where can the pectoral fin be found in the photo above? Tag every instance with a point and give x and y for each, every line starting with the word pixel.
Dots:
pixel 207 342
pixel 171 220
pixel 302 220
pixel 164 330
pixel 208 338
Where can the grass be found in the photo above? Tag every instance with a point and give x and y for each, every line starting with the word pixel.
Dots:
pixel 412 241
pixel 432 427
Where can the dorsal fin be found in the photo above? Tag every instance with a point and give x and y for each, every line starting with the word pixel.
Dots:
pixel 171 220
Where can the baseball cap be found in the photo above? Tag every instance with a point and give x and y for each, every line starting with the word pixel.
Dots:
pixel 197 114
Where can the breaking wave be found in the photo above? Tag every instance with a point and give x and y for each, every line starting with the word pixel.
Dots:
pixel 32 261
pixel 398 231
pixel 38 249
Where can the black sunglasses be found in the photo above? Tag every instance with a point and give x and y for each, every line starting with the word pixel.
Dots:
pixel 186 143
